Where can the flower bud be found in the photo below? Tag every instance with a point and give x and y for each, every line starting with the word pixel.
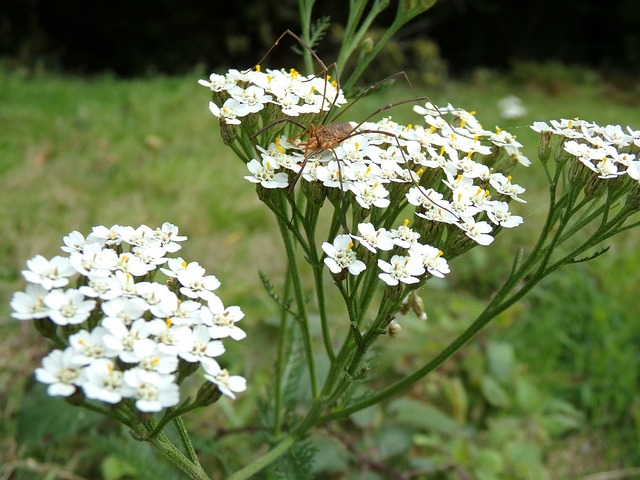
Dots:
pixel 315 192
pixel 544 146
pixel 633 197
pixel 207 394
pixel 394 329
pixel 186 369
pixel 227 132
pixel 46 327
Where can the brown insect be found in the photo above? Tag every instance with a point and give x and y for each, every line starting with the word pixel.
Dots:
pixel 324 137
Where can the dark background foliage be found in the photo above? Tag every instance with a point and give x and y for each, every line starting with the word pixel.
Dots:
pixel 142 37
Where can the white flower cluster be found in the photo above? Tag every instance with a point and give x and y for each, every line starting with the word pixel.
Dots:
pixel 127 336
pixel 383 153
pixel 408 268
pixel 240 93
pixel 604 150
pixel 376 156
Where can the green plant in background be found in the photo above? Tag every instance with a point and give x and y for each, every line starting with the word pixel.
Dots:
pixel 380 205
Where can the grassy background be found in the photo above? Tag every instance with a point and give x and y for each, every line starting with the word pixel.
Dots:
pixel 81 152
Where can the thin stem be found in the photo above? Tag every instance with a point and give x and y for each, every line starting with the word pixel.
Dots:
pixel 262 462
pixel 281 362
pixel 175 456
pixel 314 259
pixel 186 440
pixel 305 7
pixel 299 295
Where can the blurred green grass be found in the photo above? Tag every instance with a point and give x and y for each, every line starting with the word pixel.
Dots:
pixel 78 152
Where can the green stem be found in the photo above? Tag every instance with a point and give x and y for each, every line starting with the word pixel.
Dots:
pixel 175 456
pixel 302 316
pixel 281 362
pixel 280 449
pixel 305 7
pixel 186 440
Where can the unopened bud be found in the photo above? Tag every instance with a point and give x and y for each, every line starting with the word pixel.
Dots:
pixel 633 197
pixel 46 327
pixel 315 192
pixel 544 146
pixel 394 329
pixel 367 45
pixel 207 394
pixel 227 132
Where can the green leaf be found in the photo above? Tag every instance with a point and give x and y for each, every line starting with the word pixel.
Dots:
pixel 418 415
pixel 456 394
pixel 501 359
pixel 528 397
pixel 331 456
pixel 115 468
pixel 493 392
pixel 392 440
pixel 45 419
pixel 366 417
pixel 488 463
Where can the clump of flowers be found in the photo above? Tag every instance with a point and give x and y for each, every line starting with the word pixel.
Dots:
pixel 453 173
pixel 120 335
pixel 607 152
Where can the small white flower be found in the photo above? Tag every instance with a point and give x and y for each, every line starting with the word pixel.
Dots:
pixel 29 304
pixel 405 269
pixel 160 300
pixel 95 260
pixel 152 256
pixel 89 346
pixel 103 381
pixel 105 288
pixel 122 339
pixel 477 231
pixel 143 236
pixel 176 265
pixel 68 307
pixel 195 284
pixel 126 283
pixel 373 239
pixel 265 174
pixel 431 258
pixel 503 185
pixel 340 255
pixel 60 373
pixel 230 111
pixel 152 391
pixel 404 236
pixel 153 359
pixel 168 335
pixel 498 213
pixel 368 195
pixel 168 236
pixel 50 274
pixel 511 107
pixel 129 263
pixel 125 309
pixel 199 347
pixel 222 321
pixel 74 242
pixel 107 236
pixel 227 384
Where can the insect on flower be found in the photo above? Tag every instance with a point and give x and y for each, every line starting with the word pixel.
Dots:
pixel 293 122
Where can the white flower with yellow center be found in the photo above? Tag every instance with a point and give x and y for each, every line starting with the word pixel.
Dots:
pixel 340 255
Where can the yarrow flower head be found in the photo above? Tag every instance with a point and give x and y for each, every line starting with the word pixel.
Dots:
pixel 604 152
pixel 456 175
pixel 121 335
